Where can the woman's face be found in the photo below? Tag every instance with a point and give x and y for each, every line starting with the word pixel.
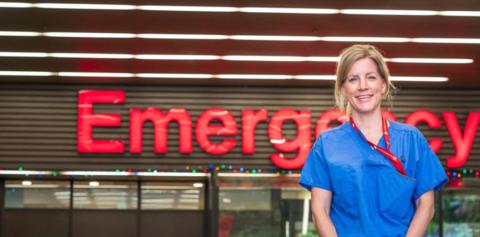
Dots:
pixel 364 86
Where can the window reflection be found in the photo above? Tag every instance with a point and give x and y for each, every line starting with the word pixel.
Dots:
pixel 37 194
pixel 245 200
pixel 263 206
pixel 172 196
pixel 104 195
pixel 461 213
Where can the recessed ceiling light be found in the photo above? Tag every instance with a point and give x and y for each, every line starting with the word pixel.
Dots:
pixel 197 185
pixel 93 184
pixel 229 9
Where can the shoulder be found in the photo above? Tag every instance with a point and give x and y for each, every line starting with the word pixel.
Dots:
pixel 408 132
pixel 403 128
pixel 336 132
pixel 333 136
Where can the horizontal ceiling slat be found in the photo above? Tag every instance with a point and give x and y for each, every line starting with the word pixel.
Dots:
pixel 226 47
pixel 45 20
pixel 426 4
pixel 237 23
pixel 453 72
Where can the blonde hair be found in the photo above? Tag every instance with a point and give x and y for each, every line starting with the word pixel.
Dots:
pixel 348 57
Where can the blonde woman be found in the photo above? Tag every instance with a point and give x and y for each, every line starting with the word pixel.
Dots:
pixel 370 176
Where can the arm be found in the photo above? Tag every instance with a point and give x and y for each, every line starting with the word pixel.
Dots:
pixel 321 200
pixel 423 215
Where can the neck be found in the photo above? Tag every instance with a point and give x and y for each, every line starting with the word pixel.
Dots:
pixel 370 122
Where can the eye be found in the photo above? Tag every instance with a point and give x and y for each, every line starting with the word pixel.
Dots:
pixel 372 77
pixel 351 79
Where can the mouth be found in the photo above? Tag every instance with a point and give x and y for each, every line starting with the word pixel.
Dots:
pixel 363 98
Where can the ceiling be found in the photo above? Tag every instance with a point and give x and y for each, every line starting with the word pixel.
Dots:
pixel 42 20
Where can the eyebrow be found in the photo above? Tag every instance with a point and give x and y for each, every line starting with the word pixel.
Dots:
pixel 356 75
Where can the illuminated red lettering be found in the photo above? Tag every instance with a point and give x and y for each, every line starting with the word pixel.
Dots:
pixel 301 143
pixel 431 120
pixel 250 119
pixel 87 120
pixel 463 143
pixel 204 130
pixel 220 122
pixel 328 117
pixel 160 122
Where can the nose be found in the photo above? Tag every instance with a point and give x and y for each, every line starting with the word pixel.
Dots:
pixel 363 84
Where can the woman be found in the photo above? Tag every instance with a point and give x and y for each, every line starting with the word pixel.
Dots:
pixel 370 176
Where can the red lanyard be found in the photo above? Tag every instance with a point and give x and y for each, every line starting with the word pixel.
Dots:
pixel 386 152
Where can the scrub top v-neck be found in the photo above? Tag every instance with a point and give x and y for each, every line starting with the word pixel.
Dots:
pixel 369 196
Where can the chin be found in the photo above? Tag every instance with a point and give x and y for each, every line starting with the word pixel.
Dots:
pixel 364 111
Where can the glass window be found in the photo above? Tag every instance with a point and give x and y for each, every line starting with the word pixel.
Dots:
pixel 120 195
pixel 253 199
pixel 173 195
pixel 37 194
pixel 260 205
pixel 461 212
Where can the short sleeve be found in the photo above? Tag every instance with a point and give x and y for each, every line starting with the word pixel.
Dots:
pixel 315 171
pixel 430 174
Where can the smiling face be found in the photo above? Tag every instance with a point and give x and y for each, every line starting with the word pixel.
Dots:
pixel 364 87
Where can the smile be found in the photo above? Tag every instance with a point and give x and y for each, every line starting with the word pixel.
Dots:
pixel 364 97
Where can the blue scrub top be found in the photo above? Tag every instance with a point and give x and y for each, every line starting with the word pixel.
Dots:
pixel 369 196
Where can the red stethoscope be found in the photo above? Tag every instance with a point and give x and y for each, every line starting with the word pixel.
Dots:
pixel 386 152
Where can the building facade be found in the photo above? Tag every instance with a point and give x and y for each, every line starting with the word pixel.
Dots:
pixel 137 160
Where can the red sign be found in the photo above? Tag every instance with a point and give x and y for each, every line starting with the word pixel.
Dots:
pixel 204 129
